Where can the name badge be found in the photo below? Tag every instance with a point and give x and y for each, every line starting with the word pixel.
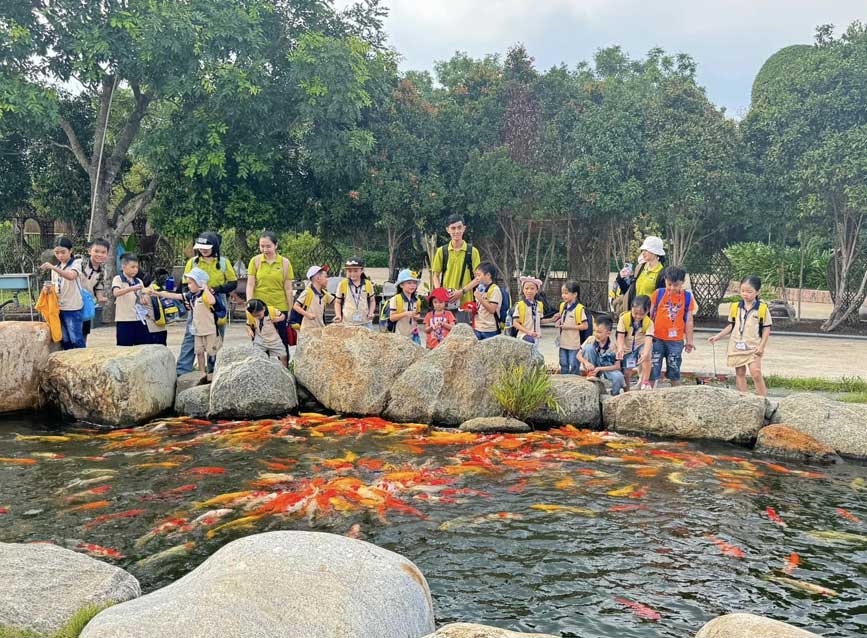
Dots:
pixel 557 342
pixel 672 334
pixel 631 361
pixel 740 345
pixel 356 317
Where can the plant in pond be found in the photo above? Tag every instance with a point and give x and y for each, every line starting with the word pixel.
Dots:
pixel 521 390
pixel 71 629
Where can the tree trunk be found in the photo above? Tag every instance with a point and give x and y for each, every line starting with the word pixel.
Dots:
pixel 848 224
pixel 802 249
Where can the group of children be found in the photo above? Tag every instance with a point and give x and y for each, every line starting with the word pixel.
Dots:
pixel 655 330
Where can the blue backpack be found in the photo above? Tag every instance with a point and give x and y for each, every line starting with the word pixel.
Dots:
pixel 505 308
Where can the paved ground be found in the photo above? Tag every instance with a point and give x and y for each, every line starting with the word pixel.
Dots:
pixel 786 356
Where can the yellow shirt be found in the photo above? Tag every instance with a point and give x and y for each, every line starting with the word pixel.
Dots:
pixel 405 326
pixel 646 282
pixel 271 280
pixel 487 321
pixel 216 276
pixel 452 277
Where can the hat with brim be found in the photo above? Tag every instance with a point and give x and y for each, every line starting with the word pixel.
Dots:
pixel 315 270
pixel 532 280
pixel 206 241
pixel 653 245
pixel 439 294
pixel 354 262
pixel 199 276
pixel 406 275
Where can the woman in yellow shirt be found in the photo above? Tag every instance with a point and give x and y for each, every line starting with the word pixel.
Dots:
pixel 270 279
pixel 649 267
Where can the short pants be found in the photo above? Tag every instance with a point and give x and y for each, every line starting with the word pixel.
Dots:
pixel 271 349
pixel 672 353
pixel 207 344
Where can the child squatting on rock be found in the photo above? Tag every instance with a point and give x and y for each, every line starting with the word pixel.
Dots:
pixel 750 328
pixel 262 323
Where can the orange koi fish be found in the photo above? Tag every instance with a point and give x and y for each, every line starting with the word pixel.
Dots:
pixel 642 611
pixel 849 516
pixel 725 548
pixel 518 487
pixel 627 508
pixel 170 494
pixel 100 552
pixel 623 491
pixel 166 465
pixel 96 505
pixel 792 563
pixel 4 510
pixel 10 461
pixel 205 471
pixel 775 518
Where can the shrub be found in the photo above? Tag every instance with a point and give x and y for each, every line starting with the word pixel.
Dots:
pixel 521 391
pixel 755 258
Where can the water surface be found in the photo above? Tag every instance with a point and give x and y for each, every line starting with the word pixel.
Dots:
pixel 548 532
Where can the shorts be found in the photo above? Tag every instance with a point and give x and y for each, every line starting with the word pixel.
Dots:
pixel 481 336
pixel 672 353
pixel 208 344
pixel 159 337
pixel 636 353
pixel 132 333
pixel 271 349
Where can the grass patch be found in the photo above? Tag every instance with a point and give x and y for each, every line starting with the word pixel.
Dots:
pixel 71 629
pixel 855 397
pixel 521 391
pixel 856 385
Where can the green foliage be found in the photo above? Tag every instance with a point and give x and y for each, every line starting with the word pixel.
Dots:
pixel 754 258
pixel 72 628
pixel 778 67
pixel 856 397
pixel 521 391
pixel 814 384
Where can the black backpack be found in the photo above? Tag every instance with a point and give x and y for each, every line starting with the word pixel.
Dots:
pixel 468 262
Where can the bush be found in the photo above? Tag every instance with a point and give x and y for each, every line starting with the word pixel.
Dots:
pixel 755 258
pixel 521 391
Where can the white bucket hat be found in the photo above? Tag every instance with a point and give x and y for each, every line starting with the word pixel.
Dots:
pixel 654 245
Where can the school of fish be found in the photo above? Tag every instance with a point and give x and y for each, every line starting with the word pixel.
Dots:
pixel 292 484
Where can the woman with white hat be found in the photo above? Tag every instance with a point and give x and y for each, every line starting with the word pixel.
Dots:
pixel 647 277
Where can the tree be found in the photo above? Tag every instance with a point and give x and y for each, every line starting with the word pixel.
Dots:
pixel 160 75
pixel 815 164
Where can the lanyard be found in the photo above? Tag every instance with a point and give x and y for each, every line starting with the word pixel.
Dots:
pixel 635 327
pixel 566 312
pixel 745 317
pixel 410 306
pixel 672 309
pixel 356 293
pixel 533 308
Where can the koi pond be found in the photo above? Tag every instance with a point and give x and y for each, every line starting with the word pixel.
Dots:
pixel 569 532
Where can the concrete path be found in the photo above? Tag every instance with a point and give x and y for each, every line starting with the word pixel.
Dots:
pixel 786 356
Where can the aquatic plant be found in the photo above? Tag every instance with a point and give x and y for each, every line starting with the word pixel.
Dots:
pixel 521 391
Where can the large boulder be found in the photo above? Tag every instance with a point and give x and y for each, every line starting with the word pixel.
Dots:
pixel 247 384
pixel 841 426
pixel 287 584
pixel 687 412
pixel 783 442
pixel 750 626
pixel 579 401
pixel 111 385
pixel 351 369
pixel 44 586
pixel 194 402
pixel 24 349
pixel 452 383
pixel 469 630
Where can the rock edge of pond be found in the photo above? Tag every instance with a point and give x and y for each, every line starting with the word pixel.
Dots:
pixel 355 371
pixel 293 584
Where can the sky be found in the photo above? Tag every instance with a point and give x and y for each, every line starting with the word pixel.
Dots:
pixel 729 39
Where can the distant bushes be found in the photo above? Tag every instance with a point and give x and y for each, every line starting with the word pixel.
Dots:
pixel 755 258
